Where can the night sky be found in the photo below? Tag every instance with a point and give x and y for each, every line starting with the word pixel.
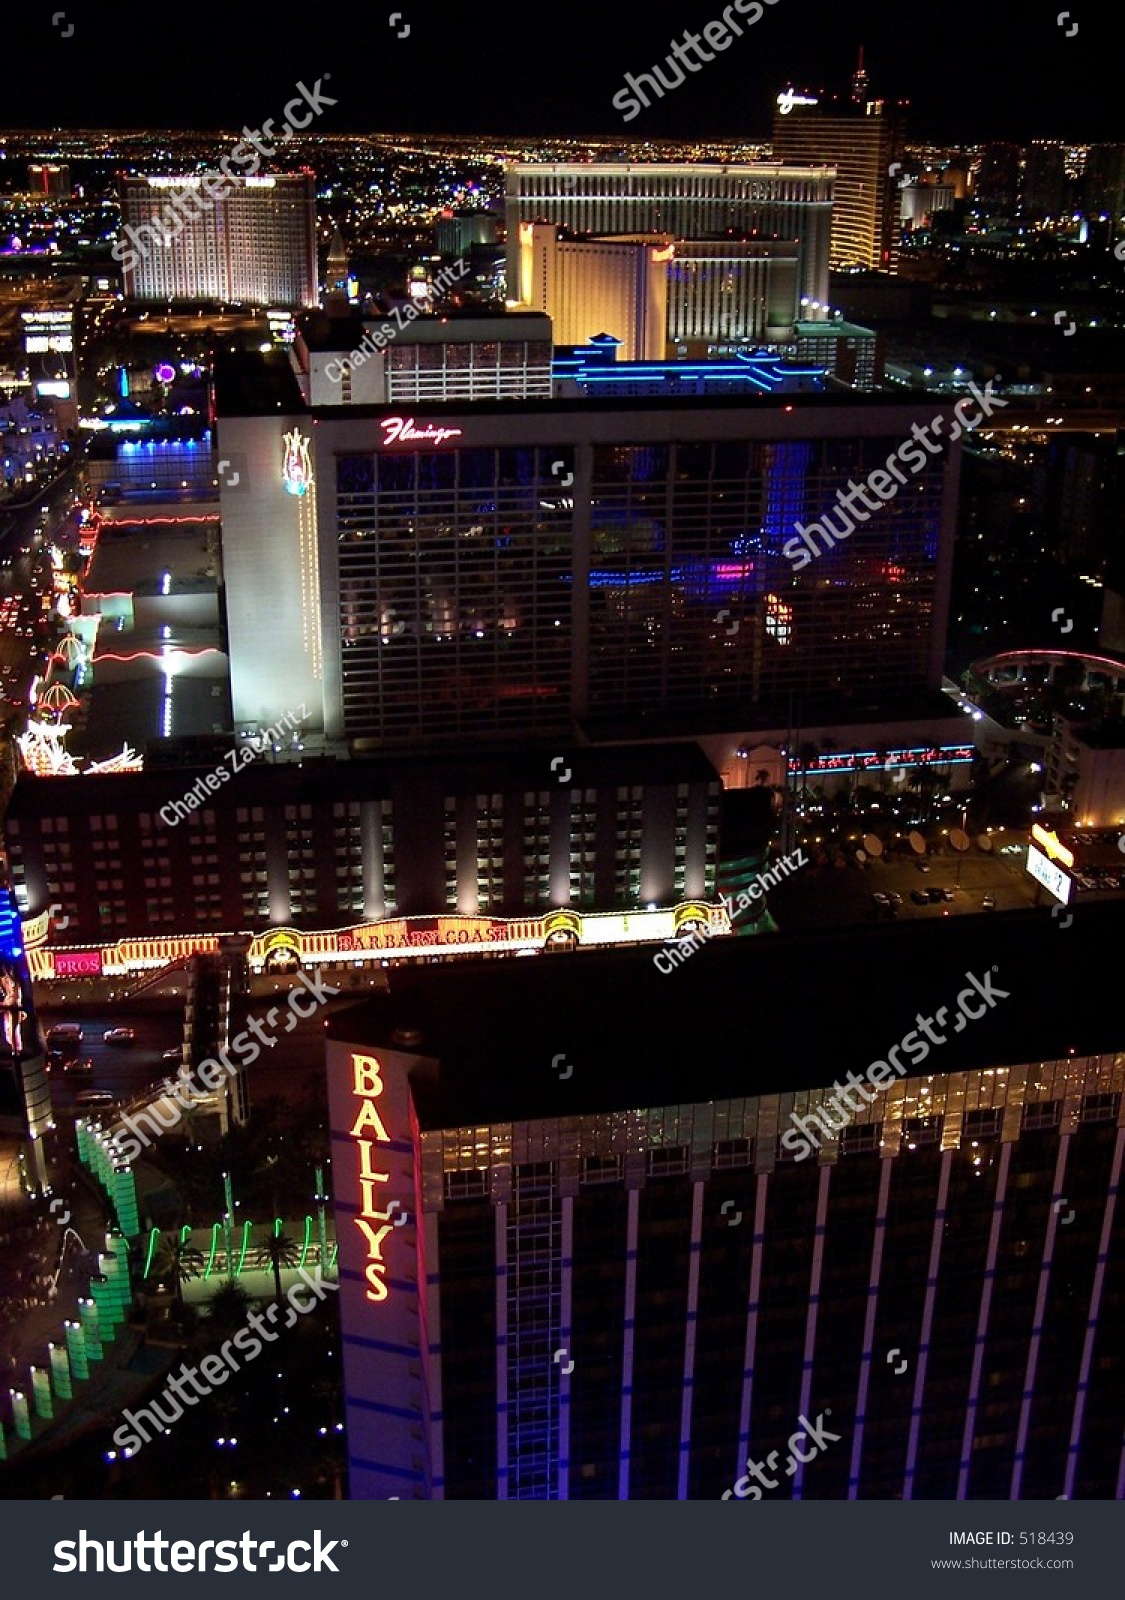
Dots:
pixel 972 69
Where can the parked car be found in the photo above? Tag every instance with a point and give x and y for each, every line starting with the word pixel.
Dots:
pixel 988 903
pixel 880 900
pixel 947 894
pixel 934 895
pixel 80 1067
pixel 920 897
pixel 895 898
pixel 94 1097
pixel 172 1055
pixel 923 866
pixel 119 1036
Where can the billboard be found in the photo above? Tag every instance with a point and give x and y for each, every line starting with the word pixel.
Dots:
pixel 1053 878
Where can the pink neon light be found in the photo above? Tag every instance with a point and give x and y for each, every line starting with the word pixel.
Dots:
pixel 1082 655
pixel 151 522
pixel 159 655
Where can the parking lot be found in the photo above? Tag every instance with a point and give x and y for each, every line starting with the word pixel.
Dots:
pixel 816 896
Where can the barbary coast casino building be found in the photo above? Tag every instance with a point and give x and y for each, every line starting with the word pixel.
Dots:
pixel 579 1261
pixel 511 568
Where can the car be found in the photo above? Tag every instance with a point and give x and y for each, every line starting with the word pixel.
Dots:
pixel 947 894
pixel 934 895
pixel 880 900
pixel 80 1067
pixel 988 903
pixel 895 898
pixel 920 897
pixel 923 866
pixel 172 1055
pixel 119 1036
pixel 94 1097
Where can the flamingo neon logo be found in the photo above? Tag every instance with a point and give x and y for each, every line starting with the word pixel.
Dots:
pixel 296 471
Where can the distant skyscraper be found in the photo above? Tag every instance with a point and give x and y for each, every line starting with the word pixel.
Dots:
pixel 701 202
pixel 255 244
pixel 1046 190
pixel 996 189
pixel 457 231
pixel 47 178
pixel 859 82
pixel 861 142
pixel 1104 183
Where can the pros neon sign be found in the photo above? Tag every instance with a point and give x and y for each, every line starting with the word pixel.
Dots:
pixel 369 1132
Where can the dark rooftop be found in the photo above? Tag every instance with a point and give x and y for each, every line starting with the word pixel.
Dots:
pixel 741 1016
pixel 266 782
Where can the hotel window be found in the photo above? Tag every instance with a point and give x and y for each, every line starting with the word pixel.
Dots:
pixel 583 845
pixel 490 852
pixel 865 1136
pixel 347 840
pixel 300 842
pixel 536 848
pixel 601 1169
pixel 919 1131
pixel 1041 1114
pixel 387 836
pixel 252 877
pixel 627 857
pixel 667 1163
pixel 1100 1107
pixel 984 1123
pixel 470 1185
pixel 731 1153
pixel 449 846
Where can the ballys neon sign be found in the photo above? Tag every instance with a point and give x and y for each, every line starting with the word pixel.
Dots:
pixel 401 430
pixel 369 1132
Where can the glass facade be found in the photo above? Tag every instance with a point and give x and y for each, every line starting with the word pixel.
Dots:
pixel 711 1290
pixel 455 601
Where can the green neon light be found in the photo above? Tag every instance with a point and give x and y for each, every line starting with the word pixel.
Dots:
pixel 305 1249
pixel 215 1226
pixel 185 1233
pixel 332 1254
pixel 246 1227
pixel 277 1227
pixel 152 1238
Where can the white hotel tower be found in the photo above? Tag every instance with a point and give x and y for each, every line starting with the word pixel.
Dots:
pixel 254 245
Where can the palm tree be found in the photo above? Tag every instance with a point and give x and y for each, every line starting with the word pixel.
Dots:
pixel 229 1307
pixel 280 1251
pixel 176 1260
